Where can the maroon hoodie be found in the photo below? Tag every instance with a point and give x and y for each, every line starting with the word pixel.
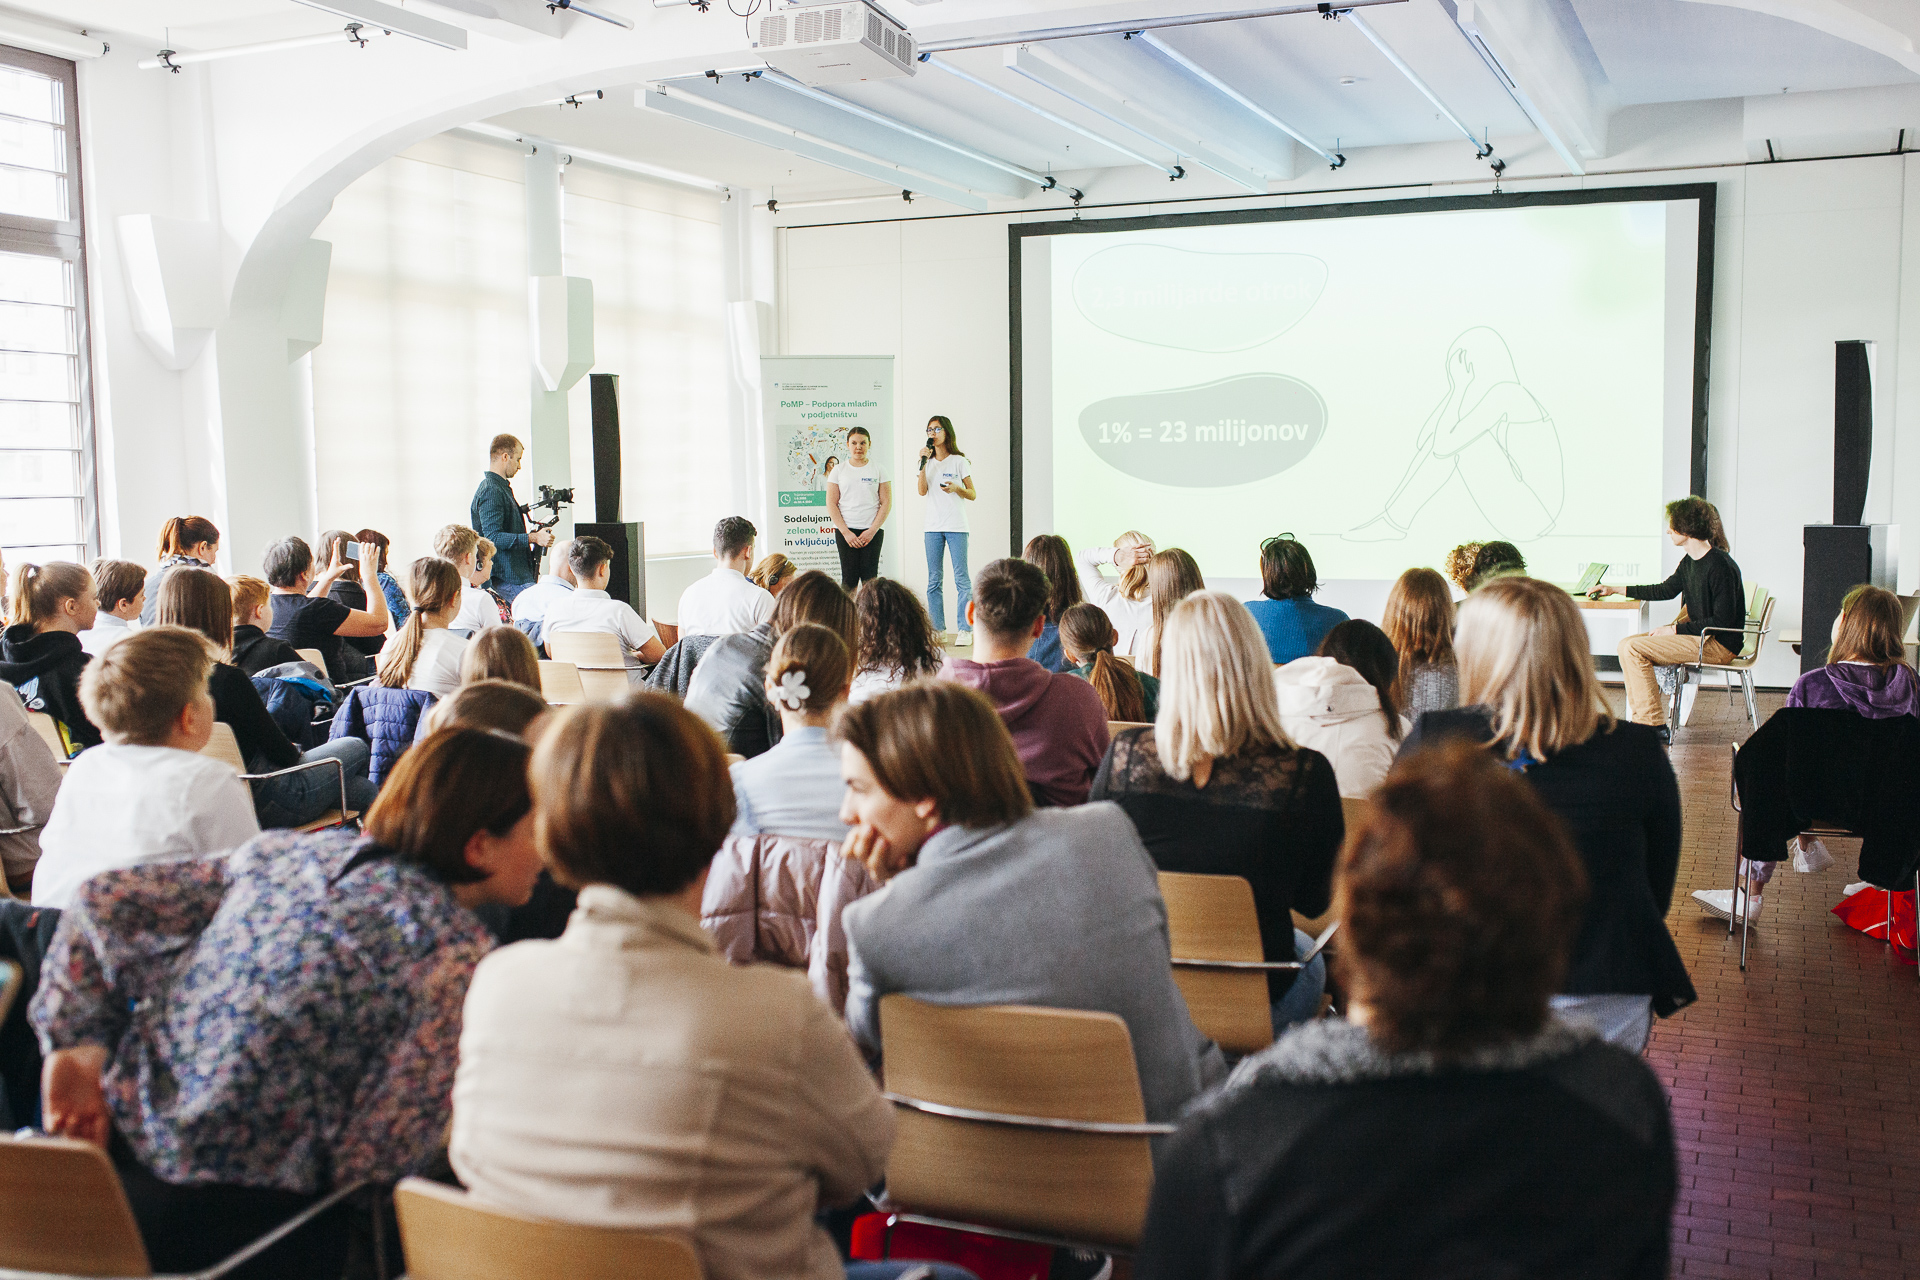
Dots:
pixel 1058 722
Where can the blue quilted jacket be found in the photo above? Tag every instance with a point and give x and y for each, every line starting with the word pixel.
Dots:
pixel 385 719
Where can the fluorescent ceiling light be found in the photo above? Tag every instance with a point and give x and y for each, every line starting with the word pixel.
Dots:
pixel 1207 77
pixel 1481 149
pixel 60 42
pixel 393 19
pixel 1172 171
pixel 172 61
pixel 639 168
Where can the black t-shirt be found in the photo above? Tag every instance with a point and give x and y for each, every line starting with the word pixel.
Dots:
pixel 309 622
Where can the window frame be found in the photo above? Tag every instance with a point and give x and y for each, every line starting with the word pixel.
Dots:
pixel 65 239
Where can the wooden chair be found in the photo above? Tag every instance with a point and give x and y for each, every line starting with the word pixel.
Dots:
pixel 448 1236
pixel 49 730
pixel 1218 961
pixel 560 683
pixel 313 656
pixel 601 661
pixel 1751 637
pixel 1115 726
pixel 225 748
pixel 63 1213
pixel 1017 1122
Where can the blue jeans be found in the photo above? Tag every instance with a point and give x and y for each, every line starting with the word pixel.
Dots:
pixel 508 590
pixel 1302 1000
pixel 893 1270
pixel 299 798
pixel 956 544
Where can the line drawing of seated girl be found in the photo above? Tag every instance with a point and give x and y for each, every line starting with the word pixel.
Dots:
pixel 1492 433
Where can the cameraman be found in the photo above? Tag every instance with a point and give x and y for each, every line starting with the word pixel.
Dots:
pixel 496 516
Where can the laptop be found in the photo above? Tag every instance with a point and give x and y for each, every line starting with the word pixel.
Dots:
pixel 1590 577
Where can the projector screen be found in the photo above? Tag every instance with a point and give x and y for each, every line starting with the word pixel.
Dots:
pixel 1383 381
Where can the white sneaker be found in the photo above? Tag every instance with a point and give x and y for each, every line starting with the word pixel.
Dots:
pixel 965 637
pixel 1718 903
pixel 1810 857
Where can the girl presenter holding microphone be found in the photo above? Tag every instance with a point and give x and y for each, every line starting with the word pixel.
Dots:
pixel 945 481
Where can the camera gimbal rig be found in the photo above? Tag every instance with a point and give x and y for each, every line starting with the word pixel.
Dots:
pixel 551 500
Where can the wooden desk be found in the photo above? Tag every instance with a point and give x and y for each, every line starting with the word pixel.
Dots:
pixel 1609 621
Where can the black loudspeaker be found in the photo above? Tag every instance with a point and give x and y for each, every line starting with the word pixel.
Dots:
pixel 605 394
pixel 628 581
pixel 1839 557
pixel 1852 430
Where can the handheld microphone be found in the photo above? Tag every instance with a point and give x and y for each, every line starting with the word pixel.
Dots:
pixel 923 457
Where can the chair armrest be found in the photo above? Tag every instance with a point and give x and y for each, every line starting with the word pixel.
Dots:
pixel 274 1236
pixel 339 768
pixel 1733 786
pixel 1264 966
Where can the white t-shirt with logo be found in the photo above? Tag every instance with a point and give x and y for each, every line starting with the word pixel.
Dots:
pixel 859 492
pixel 946 512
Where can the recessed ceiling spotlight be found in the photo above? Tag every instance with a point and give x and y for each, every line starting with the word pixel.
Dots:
pixel 1349 79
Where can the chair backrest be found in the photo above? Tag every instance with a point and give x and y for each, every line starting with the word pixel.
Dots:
pixel 586 649
pixel 1760 618
pixel 1909 610
pixel 448 1236
pixel 1016 1062
pixel 62 1211
pixel 1354 810
pixel 1115 726
pixel 1213 918
pixel 49 730
pixel 224 747
pixel 560 683
pixel 313 656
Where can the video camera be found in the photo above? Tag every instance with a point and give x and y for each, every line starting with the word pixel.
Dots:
pixel 550 501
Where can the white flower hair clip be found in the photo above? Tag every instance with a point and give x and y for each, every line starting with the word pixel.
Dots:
pixel 793 690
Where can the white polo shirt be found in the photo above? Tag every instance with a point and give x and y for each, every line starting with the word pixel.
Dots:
pixel 531 605
pixel 477 611
pixel 586 610
pixel 724 602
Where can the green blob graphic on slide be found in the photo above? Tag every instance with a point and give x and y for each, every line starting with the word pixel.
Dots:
pixel 1229 432
pixel 1197 301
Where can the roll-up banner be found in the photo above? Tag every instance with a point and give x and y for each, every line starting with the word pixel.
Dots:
pixel 811 404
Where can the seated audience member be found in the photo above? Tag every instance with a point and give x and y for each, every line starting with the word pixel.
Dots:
pixel 897 640
pixel 1088 639
pixel 40 653
pixel 1124 600
pixel 1058 723
pixel 300 998
pixel 1708 583
pixel 253 649
pixel 305 617
pixel 589 608
pixel 1435 1130
pixel 991 901
pixel 1172 576
pixel 1050 553
pixel 1459 566
pixel 728 689
pixel 1340 702
pixel 632 801
pixel 1528 691
pixel 1495 560
pixel 483 553
pixel 530 606
pixel 1866 673
pixel 147 795
pixel 794 788
pixel 503 706
pixel 1292 623
pixel 200 601
pixel 502 653
pixel 1419 624
pixel 461 545
pixel 725 602
pixel 120 592
pixel 773 573
pixel 29 783
pixel 397 607
pixel 184 540
pixel 425 653
pixel 1214 787
pixel 337 546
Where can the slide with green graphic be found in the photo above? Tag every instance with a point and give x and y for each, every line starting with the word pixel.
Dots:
pixel 1382 387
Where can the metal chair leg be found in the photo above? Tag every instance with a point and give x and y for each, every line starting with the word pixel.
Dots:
pixel 1679 686
pixel 1739 861
pixel 1753 709
pixel 1741 909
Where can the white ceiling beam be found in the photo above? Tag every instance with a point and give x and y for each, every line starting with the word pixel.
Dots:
pixel 515 21
pixel 1848 20
pixel 1044 66
pixel 1529 53
pixel 1172 171
pixel 1196 71
pixel 392 18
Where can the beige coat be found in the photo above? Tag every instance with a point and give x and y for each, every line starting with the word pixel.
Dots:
pixel 625 1075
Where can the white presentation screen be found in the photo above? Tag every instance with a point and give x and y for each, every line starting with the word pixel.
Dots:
pixel 1383 383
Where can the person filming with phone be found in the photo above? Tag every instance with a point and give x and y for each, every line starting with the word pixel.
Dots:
pixel 945 481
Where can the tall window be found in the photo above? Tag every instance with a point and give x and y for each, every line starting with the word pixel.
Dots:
pixel 47 505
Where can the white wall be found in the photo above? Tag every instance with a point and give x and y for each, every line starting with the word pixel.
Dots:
pixel 1805 254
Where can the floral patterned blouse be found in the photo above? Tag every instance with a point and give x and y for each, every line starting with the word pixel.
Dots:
pixel 284 1016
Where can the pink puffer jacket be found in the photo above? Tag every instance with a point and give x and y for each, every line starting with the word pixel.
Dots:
pixel 777 900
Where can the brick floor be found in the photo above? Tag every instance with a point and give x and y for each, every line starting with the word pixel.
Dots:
pixel 1795 1085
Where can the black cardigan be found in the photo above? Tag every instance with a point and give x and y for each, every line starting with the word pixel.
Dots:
pixel 237 703
pixel 1324 1159
pixel 1810 765
pixel 1617 794
pixel 1712 592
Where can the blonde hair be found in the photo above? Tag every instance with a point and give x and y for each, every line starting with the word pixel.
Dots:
pixel 249 593
pixel 820 657
pixel 772 571
pixel 1217 698
pixel 501 653
pixel 454 542
pixel 501 706
pixel 484 550
pixel 138 688
pixel 1524 655
pixel 38 590
pixel 433 583
pixel 1172 576
pixel 1133 583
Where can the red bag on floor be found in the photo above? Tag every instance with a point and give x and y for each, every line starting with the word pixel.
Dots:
pixel 988 1257
pixel 1867 912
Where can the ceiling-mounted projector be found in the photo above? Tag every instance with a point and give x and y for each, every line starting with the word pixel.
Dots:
pixel 835 43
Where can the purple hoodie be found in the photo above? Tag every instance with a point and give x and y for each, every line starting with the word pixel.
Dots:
pixel 1878 693
pixel 1058 723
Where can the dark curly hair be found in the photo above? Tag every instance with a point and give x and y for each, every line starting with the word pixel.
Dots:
pixel 895 632
pixel 1695 518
